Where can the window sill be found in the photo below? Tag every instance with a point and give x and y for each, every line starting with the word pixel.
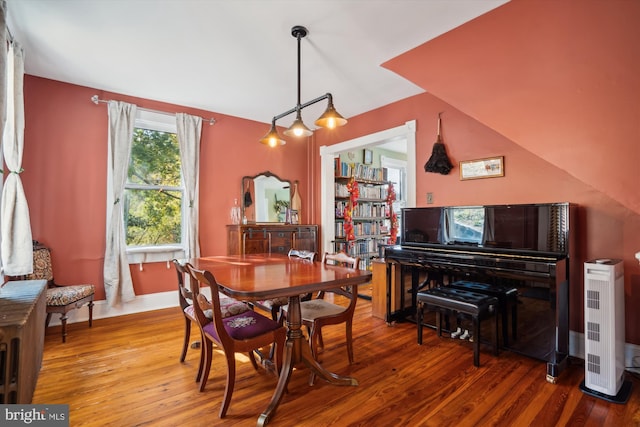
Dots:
pixel 144 254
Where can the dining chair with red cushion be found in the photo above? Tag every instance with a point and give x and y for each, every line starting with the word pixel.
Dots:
pixel 229 307
pixel 247 332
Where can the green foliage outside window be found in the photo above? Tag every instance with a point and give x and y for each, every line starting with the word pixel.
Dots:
pixel 468 224
pixel 153 195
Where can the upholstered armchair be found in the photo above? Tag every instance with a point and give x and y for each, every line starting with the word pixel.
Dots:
pixel 60 298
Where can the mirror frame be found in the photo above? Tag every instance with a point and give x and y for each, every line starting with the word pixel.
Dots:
pixel 247 188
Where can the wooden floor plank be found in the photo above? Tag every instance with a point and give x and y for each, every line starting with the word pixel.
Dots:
pixel 125 371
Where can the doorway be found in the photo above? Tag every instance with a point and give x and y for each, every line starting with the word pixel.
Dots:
pixel 405 133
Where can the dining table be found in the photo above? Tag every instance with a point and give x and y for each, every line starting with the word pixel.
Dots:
pixel 255 277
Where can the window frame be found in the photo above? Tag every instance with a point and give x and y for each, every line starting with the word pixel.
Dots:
pixel 162 122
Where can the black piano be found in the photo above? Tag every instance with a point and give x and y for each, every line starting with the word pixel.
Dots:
pixel 527 246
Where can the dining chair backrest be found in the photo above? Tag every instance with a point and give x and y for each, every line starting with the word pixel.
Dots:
pixel 344 260
pixel 185 296
pixel 340 258
pixel 311 256
pixel 200 302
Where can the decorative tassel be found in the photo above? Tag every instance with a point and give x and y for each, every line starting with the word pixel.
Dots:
pixel 439 161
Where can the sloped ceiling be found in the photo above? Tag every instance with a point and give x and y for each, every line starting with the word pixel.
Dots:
pixel 561 79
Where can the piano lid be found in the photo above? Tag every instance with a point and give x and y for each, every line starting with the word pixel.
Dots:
pixel 525 228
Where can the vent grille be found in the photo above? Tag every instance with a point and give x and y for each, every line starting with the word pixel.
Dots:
pixel 593 299
pixel 593 331
pixel 593 363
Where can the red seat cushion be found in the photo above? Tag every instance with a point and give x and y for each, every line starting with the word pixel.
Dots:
pixel 245 325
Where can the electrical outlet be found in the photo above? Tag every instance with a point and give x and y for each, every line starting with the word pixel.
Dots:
pixel 429 198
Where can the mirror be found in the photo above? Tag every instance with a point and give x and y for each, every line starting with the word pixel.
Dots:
pixel 265 198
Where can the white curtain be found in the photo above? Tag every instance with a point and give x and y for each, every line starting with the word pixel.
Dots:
pixel 3 99
pixel 189 130
pixel 15 224
pixel 118 285
pixel 489 229
pixel 447 221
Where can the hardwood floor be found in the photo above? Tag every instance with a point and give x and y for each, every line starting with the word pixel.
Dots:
pixel 125 372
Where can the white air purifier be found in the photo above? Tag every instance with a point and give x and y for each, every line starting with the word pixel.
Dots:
pixel 604 331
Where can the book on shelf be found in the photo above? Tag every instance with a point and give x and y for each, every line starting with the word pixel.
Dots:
pixel 359 171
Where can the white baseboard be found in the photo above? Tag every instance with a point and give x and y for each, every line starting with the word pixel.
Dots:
pixel 631 351
pixel 141 303
pixel 102 310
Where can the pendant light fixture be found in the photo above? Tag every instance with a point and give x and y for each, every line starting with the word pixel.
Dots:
pixel 330 119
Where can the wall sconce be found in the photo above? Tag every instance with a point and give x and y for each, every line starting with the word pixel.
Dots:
pixel 330 119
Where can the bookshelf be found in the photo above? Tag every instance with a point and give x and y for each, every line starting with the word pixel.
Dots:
pixel 362 212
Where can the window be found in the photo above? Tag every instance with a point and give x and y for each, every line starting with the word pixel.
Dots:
pixel 154 191
pixel 397 175
pixel 468 225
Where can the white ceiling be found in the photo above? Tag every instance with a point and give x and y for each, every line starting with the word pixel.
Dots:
pixel 234 57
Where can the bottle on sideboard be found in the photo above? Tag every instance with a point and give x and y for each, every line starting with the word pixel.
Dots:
pixel 235 213
pixel 295 200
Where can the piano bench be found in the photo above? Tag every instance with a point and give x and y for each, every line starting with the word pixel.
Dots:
pixel 507 298
pixel 446 300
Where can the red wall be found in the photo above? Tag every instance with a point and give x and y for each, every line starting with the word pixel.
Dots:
pixel 605 228
pixel 559 78
pixel 552 86
pixel 65 161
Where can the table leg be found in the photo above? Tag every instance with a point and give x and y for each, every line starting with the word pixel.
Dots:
pixel 296 351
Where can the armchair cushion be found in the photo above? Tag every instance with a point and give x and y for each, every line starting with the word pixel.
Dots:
pixel 65 295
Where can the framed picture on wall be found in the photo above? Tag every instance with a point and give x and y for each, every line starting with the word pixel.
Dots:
pixel 482 168
pixel 368 157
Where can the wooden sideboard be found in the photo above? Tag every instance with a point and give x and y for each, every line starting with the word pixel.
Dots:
pixel 23 308
pixel 270 238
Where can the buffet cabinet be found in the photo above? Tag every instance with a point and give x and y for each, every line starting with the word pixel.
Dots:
pixel 24 310
pixel 271 238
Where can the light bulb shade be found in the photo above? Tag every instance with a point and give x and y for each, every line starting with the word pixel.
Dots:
pixel 272 139
pixel 330 119
pixel 298 129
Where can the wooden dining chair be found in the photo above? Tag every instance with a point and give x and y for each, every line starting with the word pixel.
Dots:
pixel 185 298
pixel 248 332
pixel 273 305
pixel 319 312
pixel 229 307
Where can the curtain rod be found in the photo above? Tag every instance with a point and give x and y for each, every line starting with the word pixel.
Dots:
pixel 97 100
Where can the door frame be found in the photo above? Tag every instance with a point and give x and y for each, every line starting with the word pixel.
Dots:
pixel 327 167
